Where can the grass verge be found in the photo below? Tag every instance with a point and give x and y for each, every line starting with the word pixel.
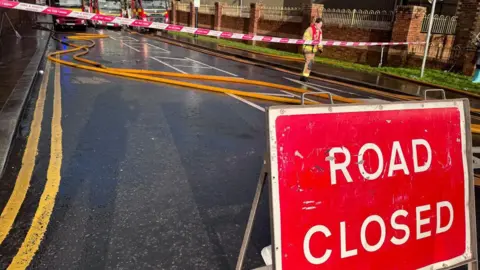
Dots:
pixel 438 77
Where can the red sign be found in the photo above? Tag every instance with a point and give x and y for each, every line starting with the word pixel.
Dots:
pixel 370 186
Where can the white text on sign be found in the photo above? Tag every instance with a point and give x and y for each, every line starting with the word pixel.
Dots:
pixel 397 162
pixel 396 154
pixel 420 219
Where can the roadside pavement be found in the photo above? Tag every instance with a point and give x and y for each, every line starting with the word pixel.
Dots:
pixel 20 59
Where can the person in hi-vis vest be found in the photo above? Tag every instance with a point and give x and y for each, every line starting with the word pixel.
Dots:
pixel 313 32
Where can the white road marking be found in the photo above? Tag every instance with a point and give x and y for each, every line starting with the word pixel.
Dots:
pixel 130 47
pixel 295 95
pixel 171 58
pixel 322 88
pixel 112 38
pixel 224 71
pixel 247 102
pixel 129 38
pixel 170 66
pixel 287 94
pixel 190 66
pixel 156 47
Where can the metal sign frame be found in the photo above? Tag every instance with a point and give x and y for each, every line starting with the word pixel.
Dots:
pixel 461 104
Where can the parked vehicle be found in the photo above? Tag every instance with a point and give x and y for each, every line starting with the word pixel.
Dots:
pixel 61 22
pixel 107 7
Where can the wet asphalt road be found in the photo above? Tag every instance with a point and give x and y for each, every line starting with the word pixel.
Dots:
pixel 153 176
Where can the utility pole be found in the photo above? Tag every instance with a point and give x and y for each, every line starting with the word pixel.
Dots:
pixel 196 4
pixel 429 34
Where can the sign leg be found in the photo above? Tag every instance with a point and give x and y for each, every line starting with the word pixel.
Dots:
pixel 251 219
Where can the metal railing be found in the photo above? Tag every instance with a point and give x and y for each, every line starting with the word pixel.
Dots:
pixel 183 7
pixel 282 14
pixel 368 19
pixel 236 11
pixel 441 24
pixel 206 9
pixel 438 52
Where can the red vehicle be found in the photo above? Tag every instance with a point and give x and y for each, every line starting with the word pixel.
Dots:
pixel 155 10
pixel 149 10
pixel 61 22
pixel 107 7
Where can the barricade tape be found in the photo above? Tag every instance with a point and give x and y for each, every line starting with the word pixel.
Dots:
pixel 178 28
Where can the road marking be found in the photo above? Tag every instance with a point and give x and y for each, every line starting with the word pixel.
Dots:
pixel 170 66
pixel 151 45
pixel 171 58
pixel 212 67
pixel 190 66
pixel 130 47
pixel 40 221
pixel 127 38
pixel 112 38
pixel 22 183
pixel 287 94
pixel 322 88
pixel 297 96
pixel 247 102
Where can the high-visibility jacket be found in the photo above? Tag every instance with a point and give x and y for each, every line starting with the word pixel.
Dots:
pixel 312 34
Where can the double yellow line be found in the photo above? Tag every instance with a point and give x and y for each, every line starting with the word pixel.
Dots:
pixel 37 229
pixel 44 210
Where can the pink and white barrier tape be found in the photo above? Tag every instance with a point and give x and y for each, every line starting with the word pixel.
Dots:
pixel 178 28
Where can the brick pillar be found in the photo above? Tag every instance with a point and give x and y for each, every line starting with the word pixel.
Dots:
pixel 408 23
pixel 173 13
pixel 406 28
pixel 255 14
pixel 218 16
pixel 310 13
pixel 468 26
pixel 191 17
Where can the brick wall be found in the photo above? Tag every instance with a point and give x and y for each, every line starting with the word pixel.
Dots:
pixel 235 24
pixel 364 55
pixel 468 26
pixel 206 21
pixel 358 55
pixel 440 46
pixel 279 28
pixel 408 23
pixel 406 28
pixel 182 17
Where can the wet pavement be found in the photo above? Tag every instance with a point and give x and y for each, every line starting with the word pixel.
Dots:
pixel 153 176
pixel 15 55
pixel 380 80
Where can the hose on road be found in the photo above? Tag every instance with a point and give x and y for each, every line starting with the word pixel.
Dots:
pixel 151 75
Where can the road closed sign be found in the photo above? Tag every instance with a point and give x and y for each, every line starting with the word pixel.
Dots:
pixel 371 186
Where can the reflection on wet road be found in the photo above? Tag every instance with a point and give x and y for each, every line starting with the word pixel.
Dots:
pixel 152 175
